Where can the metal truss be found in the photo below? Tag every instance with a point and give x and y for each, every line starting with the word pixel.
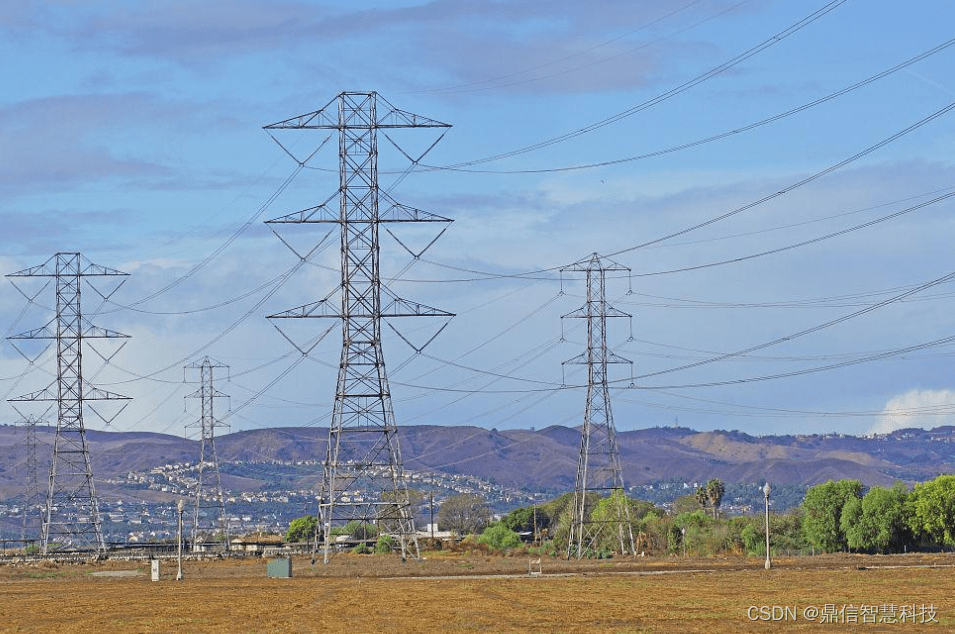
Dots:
pixel 71 518
pixel 209 519
pixel 598 468
pixel 32 500
pixel 363 479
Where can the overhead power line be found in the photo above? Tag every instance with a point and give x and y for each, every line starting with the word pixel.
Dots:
pixel 716 137
pixel 775 39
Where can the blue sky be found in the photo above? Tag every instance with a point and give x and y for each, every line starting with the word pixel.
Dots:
pixel 132 132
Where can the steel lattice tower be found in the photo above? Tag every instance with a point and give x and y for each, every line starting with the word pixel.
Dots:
pixel 208 501
pixel 31 485
pixel 363 477
pixel 71 488
pixel 598 468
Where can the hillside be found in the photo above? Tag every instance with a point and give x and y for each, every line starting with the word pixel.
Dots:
pixel 543 459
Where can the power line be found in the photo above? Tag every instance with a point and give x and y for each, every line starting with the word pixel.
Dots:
pixel 775 39
pixel 716 137
pixel 475 88
pixel 789 247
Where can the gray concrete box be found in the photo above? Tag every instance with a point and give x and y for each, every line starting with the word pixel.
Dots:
pixel 279 569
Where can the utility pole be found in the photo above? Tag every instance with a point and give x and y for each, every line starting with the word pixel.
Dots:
pixel 71 516
pixel 766 491
pixel 598 467
pixel 363 477
pixel 206 500
pixel 180 507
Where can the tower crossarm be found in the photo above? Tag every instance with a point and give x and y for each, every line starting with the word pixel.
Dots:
pixel 89 331
pixel 586 359
pixel 346 111
pixel 321 308
pixel 397 212
pixel 585 312
pixel 398 307
pixel 85 268
pixel 595 262
pixel 317 214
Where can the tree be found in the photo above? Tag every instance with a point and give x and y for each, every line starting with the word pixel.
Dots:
pixel 617 519
pixel 356 529
pixel 464 514
pixel 520 520
pixel 702 497
pixel 879 521
pixel 932 508
pixel 686 504
pixel 694 529
pixel 302 529
pixel 499 537
pixel 391 513
pixel 784 528
pixel 822 508
pixel 714 491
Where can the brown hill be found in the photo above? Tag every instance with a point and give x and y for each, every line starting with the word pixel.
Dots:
pixel 546 458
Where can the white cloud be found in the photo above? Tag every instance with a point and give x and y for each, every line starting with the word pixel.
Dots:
pixel 917 408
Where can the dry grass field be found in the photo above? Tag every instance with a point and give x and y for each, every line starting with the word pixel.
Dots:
pixel 477 593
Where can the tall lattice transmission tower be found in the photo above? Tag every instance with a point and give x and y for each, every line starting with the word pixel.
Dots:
pixel 32 501
pixel 71 518
pixel 209 519
pixel 598 468
pixel 363 477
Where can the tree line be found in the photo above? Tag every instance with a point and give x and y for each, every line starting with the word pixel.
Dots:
pixel 835 516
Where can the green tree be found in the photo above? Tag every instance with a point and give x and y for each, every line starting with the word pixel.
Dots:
pixel 464 514
pixel 302 529
pixel 687 504
pixel 617 519
pixel 356 529
pixel 879 521
pixel 499 537
pixel 853 525
pixel 932 510
pixel 822 513
pixel 702 497
pixel 694 530
pixel 715 489
pixel 785 533
pixel 522 520
pixel 562 512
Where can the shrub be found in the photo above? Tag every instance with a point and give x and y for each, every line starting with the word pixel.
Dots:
pixel 499 537
pixel 385 544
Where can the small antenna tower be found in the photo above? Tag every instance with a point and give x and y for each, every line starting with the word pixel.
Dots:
pixel 71 517
pixel 363 477
pixel 208 497
pixel 598 468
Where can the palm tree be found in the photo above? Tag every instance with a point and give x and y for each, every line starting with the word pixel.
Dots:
pixel 714 491
pixel 702 497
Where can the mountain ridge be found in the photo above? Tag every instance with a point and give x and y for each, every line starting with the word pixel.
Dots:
pixel 543 459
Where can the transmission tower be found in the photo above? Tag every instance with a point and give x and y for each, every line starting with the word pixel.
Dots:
pixel 363 477
pixel 31 484
pixel 598 468
pixel 71 517
pixel 208 501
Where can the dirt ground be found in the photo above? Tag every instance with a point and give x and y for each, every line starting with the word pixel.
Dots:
pixel 466 593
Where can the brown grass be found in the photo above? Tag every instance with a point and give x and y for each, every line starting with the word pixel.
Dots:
pixel 448 592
